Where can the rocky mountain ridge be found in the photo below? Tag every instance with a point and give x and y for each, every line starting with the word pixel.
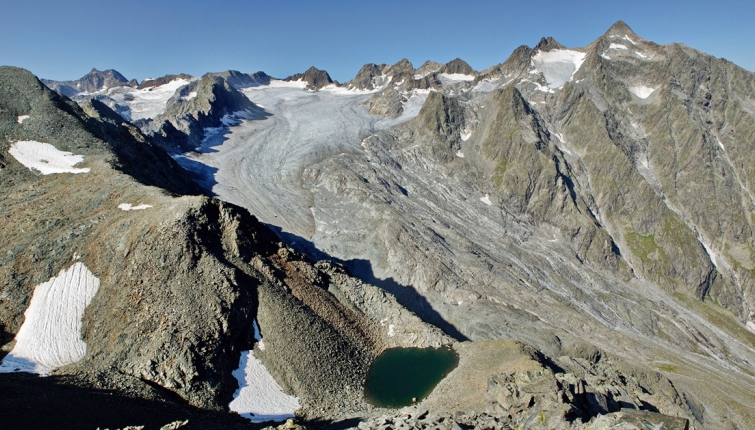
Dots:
pixel 91 82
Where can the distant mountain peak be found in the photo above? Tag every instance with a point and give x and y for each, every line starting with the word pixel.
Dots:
pixel 314 77
pixel 548 44
pixel 93 81
pixel 620 30
pixel 458 65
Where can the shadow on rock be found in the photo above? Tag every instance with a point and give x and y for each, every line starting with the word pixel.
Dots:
pixel 201 173
pixel 406 295
pixel 5 337
pixel 32 402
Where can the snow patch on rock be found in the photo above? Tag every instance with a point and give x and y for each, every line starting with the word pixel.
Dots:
pixel 275 83
pixel 459 154
pixel 259 397
pixel 454 77
pixel 45 158
pixel 618 46
pixel 642 91
pixel 23 118
pixel 50 336
pixel 486 200
pixel 258 335
pixel 558 66
pixel 538 87
pixel 128 207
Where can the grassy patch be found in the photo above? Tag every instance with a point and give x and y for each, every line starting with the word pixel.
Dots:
pixel 666 367
pixel 644 247
pixel 720 317
pixel 499 171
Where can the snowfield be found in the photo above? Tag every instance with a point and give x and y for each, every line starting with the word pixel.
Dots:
pixel 259 398
pixel 50 336
pixel 642 91
pixel 558 66
pixel 146 103
pixel 46 158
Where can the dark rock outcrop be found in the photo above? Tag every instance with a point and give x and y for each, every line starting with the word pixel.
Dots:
pixel 314 77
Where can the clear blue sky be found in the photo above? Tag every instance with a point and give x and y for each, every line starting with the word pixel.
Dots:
pixel 64 39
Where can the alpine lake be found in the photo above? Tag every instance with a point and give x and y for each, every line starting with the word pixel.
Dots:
pixel 402 376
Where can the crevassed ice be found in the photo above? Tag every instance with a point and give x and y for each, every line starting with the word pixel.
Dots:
pixel 50 336
pixel 46 158
pixel 558 66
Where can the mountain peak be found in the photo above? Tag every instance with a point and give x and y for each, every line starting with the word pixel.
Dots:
pixel 620 29
pixel 314 77
pixel 458 65
pixel 548 44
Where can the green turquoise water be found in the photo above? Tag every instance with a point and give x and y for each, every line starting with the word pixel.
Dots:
pixel 400 374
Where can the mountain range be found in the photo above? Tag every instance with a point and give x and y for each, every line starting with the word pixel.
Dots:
pixel 576 223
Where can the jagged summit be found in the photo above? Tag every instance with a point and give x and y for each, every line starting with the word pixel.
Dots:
pixel 366 77
pixel 402 65
pixel 314 77
pixel 548 44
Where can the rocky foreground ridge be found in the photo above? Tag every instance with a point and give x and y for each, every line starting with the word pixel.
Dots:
pixel 579 201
